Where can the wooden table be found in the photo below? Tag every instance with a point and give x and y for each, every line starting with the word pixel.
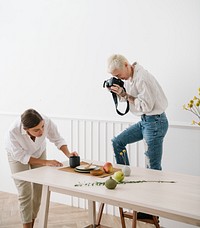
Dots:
pixel 178 201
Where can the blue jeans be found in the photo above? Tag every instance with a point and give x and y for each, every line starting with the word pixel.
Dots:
pixel 153 130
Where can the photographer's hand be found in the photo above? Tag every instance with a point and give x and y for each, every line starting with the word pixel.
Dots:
pixel 118 90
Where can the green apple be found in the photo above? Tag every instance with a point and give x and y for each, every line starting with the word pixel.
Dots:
pixel 119 176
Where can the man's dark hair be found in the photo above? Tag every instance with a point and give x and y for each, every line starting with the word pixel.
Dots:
pixel 30 118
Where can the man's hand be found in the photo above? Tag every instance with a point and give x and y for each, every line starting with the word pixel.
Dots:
pixel 38 161
pixel 118 90
pixel 73 154
pixel 53 163
pixel 67 152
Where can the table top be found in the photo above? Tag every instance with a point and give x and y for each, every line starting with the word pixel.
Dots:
pixel 177 201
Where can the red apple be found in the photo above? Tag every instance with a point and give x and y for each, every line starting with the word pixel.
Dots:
pixel 108 167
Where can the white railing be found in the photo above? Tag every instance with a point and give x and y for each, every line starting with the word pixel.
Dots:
pixel 92 140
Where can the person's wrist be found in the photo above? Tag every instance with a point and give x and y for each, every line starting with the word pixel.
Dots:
pixel 126 96
pixel 44 162
pixel 68 154
pixel 123 93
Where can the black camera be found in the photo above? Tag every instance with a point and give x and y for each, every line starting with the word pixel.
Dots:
pixel 110 82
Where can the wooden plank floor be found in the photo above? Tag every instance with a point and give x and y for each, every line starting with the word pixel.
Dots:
pixel 60 216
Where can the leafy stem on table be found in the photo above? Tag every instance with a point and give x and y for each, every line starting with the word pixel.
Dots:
pixel 99 183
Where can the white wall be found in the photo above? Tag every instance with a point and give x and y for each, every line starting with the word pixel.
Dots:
pixel 55 52
pixel 53 58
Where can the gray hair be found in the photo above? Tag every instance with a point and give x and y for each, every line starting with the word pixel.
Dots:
pixel 116 61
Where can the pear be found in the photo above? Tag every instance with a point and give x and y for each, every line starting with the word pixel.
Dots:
pixel 111 183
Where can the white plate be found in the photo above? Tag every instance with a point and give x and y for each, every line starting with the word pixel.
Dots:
pixel 86 170
pixel 84 167
pixel 82 171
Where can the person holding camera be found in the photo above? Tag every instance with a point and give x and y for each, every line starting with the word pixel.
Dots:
pixel 25 144
pixel 147 100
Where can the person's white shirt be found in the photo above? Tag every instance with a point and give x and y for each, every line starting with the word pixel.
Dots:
pixel 21 147
pixel 149 96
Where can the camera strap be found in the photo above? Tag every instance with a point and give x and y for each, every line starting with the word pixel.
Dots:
pixel 114 95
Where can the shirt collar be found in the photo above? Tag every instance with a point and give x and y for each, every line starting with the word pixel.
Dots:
pixel 135 64
pixel 23 131
pixel 136 68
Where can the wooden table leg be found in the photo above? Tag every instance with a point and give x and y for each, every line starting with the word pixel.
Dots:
pixel 44 207
pixel 100 213
pixel 92 212
pixel 121 212
pixel 134 222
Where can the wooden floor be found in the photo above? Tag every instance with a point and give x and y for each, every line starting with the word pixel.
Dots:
pixel 60 216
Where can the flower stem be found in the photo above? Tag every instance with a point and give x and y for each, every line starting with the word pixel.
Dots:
pixel 98 183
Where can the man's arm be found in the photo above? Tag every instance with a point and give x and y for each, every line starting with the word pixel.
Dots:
pixel 65 150
pixel 128 97
pixel 43 162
